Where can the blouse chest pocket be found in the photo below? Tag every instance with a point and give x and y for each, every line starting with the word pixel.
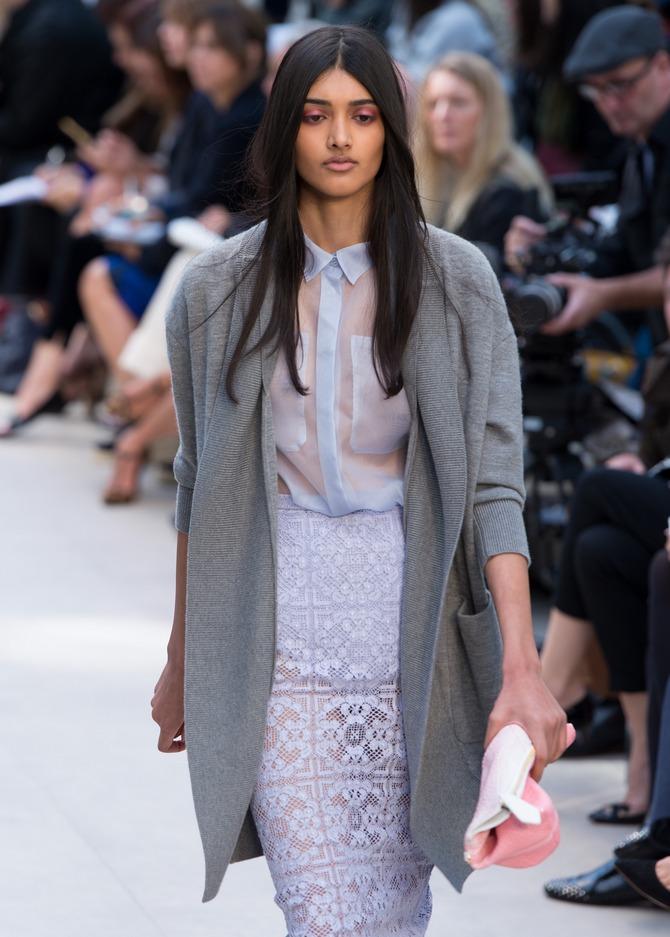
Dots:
pixel 288 406
pixel 378 426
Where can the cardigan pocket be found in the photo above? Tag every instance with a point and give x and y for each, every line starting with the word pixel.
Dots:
pixel 475 677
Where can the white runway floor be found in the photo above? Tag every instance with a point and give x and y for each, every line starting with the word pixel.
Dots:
pixel 97 831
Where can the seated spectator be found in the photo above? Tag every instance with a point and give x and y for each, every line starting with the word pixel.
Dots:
pixel 640 867
pixel 55 61
pixel 472 175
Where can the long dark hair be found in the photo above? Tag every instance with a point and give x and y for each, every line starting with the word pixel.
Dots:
pixel 396 228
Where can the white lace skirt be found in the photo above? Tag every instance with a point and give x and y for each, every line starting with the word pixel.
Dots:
pixel 331 802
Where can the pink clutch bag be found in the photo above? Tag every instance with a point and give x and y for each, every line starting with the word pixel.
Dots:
pixel 515 822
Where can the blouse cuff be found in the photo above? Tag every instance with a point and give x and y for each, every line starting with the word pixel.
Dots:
pixel 499 528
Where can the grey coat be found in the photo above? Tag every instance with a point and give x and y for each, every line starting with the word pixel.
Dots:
pixel 463 491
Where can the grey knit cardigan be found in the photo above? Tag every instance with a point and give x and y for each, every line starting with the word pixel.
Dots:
pixel 463 499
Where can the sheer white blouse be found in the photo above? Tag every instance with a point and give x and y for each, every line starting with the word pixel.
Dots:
pixel 342 447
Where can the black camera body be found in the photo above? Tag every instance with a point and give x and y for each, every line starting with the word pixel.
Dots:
pixel 570 247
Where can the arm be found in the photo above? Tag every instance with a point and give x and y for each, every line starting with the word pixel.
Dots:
pixel 168 699
pixel 588 297
pixel 167 703
pixel 524 697
pixel 503 552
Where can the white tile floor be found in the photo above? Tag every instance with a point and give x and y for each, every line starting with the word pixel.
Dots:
pixel 97 831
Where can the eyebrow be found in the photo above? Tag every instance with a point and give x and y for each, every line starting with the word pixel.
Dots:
pixel 325 103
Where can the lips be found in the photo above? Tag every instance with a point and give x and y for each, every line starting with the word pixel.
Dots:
pixel 340 165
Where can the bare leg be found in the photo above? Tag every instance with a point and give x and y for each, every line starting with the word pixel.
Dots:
pixel 564 652
pixel 635 708
pixel 131 446
pixel 41 378
pixel 110 320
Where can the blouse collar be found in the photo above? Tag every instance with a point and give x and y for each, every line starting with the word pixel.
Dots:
pixel 353 260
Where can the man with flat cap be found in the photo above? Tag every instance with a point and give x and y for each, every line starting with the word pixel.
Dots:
pixel 620 62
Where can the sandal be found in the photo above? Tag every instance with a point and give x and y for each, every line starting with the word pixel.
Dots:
pixel 117 492
pixel 616 813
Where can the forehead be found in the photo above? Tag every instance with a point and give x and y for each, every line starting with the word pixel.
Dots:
pixel 337 85
pixel 442 81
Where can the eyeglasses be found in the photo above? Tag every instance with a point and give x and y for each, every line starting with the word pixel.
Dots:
pixel 616 88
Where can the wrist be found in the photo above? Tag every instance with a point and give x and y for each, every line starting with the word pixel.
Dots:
pixel 517 666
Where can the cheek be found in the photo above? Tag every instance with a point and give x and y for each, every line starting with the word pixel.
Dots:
pixel 306 155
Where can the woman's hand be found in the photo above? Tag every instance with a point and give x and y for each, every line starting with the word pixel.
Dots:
pixel 167 708
pixel 525 699
pixel 113 152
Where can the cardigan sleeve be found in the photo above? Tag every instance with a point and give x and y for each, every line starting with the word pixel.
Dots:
pixel 179 356
pixel 500 491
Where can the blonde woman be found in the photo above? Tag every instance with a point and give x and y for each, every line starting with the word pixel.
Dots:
pixel 473 177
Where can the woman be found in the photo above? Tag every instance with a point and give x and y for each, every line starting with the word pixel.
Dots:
pixel 473 178
pixel 287 680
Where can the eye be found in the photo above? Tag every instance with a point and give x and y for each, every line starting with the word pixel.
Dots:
pixel 313 118
pixel 365 117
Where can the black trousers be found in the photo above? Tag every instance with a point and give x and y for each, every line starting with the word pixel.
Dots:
pixel 616 526
pixel 658 678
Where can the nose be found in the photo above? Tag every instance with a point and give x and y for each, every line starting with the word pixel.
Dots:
pixel 340 136
pixel 441 110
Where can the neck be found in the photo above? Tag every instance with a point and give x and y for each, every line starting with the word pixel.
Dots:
pixel 334 223
pixel 222 98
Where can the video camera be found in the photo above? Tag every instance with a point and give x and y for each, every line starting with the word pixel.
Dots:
pixel 570 247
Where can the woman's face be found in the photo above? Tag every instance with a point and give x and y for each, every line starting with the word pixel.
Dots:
pixel 452 111
pixel 212 69
pixel 175 41
pixel 340 144
pixel 147 73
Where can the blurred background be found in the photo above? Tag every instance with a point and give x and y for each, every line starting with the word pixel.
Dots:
pixel 541 132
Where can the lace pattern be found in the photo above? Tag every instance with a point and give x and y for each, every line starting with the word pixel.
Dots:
pixel 331 802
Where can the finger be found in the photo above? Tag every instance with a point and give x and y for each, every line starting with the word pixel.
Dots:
pixel 538 768
pixel 528 226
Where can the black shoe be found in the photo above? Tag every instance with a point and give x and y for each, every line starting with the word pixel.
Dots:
pixel 580 714
pixel 640 845
pixel 605 733
pixel 602 886
pixel 641 874
pixel 616 814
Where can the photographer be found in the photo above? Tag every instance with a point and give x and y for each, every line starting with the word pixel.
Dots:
pixel 621 64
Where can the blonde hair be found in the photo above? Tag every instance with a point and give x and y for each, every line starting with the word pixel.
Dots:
pixel 447 191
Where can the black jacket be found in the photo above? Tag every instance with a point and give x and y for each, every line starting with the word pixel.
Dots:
pixel 207 164
pixel 55 61
pixel 490 215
